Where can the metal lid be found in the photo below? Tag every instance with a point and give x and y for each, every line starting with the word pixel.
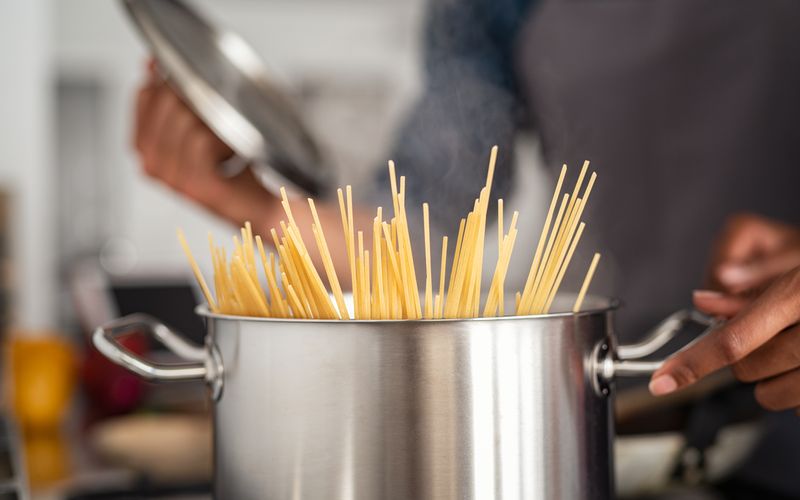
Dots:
pixel 222 78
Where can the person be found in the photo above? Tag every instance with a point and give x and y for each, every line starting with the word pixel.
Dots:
pixel 756 279
pixel 761 341
pixel 687 110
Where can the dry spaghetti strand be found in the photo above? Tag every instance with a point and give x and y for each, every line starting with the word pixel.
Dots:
pixel 586 282
pixel 380 261
pixel 197 273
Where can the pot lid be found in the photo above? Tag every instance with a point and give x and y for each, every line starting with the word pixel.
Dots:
pixel 225 82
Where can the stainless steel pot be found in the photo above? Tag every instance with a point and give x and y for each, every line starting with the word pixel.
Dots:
pixel 505 408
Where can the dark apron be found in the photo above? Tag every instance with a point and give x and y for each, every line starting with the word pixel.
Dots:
pixel 690 112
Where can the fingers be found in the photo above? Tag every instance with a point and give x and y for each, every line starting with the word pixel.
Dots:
pixel 144 107
pixel 165 107
pixel 777 356
pixel 152 67
pixel 718 304
pixel 164 125
pixel 170 142
pixel 746 235
pixel 199 153
pixel 176 148
pixel 738 277
pixel 743 253
pixel 776 363
pixel 779 393
pixel 772 312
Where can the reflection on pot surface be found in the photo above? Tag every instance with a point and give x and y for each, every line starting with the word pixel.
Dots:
pixel 513 407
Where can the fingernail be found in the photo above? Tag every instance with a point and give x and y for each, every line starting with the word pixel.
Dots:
pixel 663 384
pixel 707 294
pixel 735 275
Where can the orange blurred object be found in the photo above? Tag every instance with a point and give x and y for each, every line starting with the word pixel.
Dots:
pixel 42 370
pixel 47 459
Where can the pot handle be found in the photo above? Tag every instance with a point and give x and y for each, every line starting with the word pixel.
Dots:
pixel 627 362
pixel 202 366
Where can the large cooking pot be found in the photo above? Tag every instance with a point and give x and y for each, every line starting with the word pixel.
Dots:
pixel 513 407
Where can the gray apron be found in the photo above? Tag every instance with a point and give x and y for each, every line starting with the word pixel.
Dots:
pixel 690 112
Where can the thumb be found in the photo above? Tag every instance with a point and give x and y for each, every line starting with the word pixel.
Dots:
pixel 754 325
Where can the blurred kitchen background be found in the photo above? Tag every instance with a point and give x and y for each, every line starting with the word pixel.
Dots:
pixel 84 236
pixel 73 201
pixel 71 70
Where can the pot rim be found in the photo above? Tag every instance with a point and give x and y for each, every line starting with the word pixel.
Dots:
pixel 613 304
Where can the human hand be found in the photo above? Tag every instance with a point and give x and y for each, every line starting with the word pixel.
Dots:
pixel 177 149
pixel 750 252
pixel 761 344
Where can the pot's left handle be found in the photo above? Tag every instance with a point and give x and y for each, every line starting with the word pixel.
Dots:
pixel 203 363
pixel 626 362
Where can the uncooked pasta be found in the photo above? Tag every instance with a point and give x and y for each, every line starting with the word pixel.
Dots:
pixel 283 281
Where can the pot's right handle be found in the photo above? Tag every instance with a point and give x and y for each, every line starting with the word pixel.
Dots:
pixel 626 362
pixel 204 364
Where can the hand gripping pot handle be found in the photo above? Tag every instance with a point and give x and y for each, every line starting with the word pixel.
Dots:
pixel 203 363
pixel 627 362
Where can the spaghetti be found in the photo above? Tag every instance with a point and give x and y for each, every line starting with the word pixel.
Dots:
pixel 286 283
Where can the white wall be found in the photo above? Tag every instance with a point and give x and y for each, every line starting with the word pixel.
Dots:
pixel 25 154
